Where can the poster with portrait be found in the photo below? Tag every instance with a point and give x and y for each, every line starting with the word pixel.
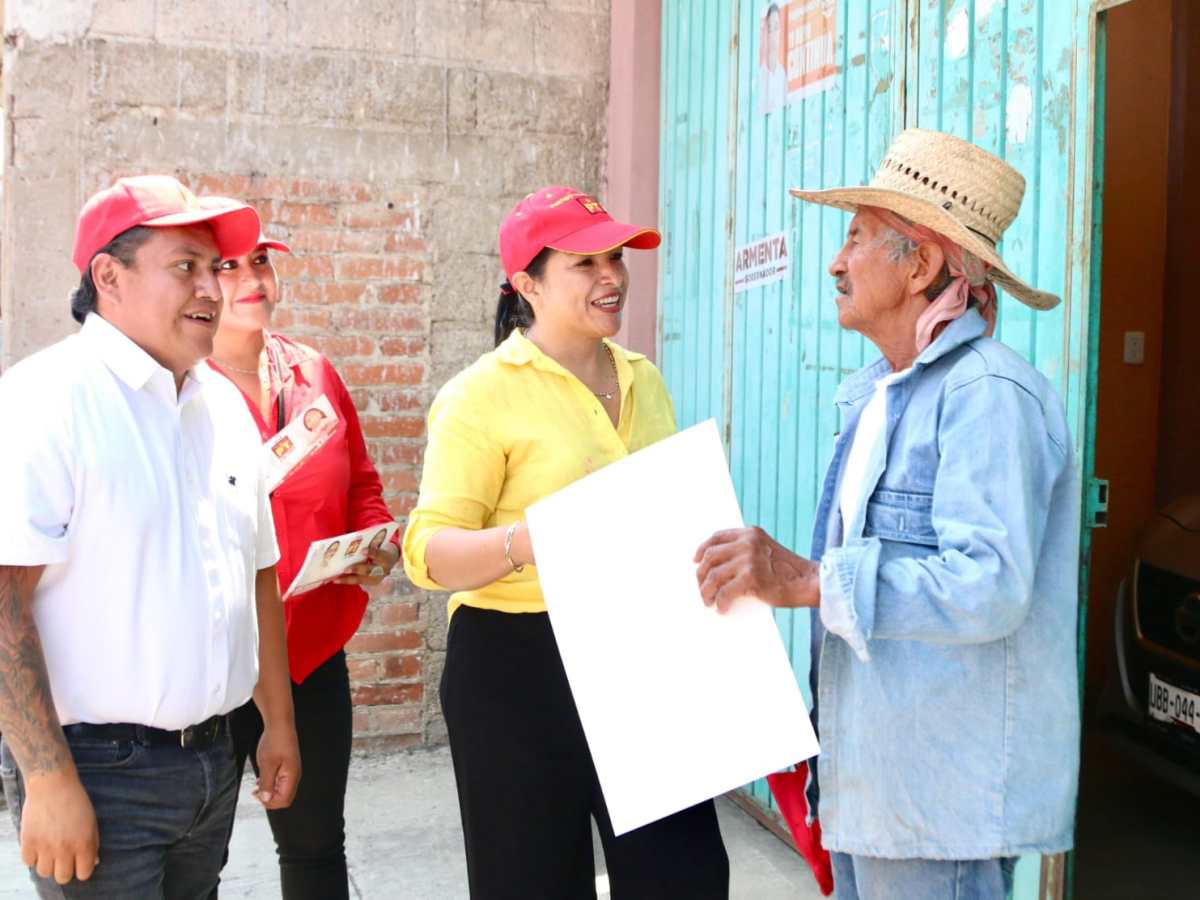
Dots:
pixel 797 54
pixel 329 558
pixel 298 440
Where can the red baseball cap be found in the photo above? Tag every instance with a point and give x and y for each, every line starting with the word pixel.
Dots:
pixel 563 218
pixel 264 241
pixel 214 202
pixel 160 201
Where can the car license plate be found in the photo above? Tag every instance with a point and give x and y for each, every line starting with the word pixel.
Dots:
pixel 1171 704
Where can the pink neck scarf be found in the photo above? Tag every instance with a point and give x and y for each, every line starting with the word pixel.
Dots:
pixel 969 272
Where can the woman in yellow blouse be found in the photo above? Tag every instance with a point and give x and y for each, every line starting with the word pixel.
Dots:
pixel 555 401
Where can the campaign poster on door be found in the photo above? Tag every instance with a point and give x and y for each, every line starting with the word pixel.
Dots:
pixel 797 51
pixel 761 262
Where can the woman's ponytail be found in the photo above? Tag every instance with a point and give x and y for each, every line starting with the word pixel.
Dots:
pixel 512 311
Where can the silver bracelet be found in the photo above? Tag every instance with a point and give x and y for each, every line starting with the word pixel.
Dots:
pixel 508 536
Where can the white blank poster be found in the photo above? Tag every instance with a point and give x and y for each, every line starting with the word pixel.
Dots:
pixel 679 703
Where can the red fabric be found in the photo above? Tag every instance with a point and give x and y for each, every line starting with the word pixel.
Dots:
pixel 159 201
pixel 568 220
pixel 335 490
pixel 788 788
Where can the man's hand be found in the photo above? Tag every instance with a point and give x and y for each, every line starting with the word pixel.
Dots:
pixel 278 750
pixel 378 564
pixel 59 835
pixel 748 562
pixel 278 766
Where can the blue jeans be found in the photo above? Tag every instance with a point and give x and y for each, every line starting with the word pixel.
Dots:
pixel 164 815
pixel 873 878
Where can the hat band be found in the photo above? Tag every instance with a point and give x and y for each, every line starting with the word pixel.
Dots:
pixel 976 231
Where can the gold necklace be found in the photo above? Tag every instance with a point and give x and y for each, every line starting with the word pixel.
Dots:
pixel 225 365
pixel 616 378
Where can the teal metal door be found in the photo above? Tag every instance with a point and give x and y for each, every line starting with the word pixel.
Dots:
pixel 1015 76
pixel 788 353
pixel 695 208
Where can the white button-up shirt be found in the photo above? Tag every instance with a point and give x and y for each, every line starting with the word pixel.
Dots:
pixel 148 511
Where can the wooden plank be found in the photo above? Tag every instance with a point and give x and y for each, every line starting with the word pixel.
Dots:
pixel 1053 880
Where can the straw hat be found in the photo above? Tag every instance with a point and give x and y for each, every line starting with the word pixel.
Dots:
pixel 952 187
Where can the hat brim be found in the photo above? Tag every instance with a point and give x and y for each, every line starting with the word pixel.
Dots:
pixel 931 216
pixel 235 228
pixel 272 244
pixel 605 236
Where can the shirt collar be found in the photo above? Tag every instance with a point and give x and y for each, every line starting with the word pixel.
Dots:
pixel 125 359
pixel 518 350
pixel 966 328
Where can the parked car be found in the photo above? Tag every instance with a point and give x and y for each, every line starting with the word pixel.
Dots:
pixel 1153 697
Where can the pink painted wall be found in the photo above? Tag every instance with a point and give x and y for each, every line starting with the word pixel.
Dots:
pixel 632 168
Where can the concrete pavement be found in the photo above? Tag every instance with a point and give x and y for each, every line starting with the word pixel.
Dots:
pixel 405 843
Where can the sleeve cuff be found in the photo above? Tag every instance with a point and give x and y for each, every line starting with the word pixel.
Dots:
pixel 271 559
pixel 848 593
pixel 267 553
pixel 412 555
pixel 32 550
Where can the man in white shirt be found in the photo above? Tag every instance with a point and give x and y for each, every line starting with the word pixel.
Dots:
pixel 138 597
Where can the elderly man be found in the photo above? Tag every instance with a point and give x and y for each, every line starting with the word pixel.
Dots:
pixel 138 599
pixel 945 555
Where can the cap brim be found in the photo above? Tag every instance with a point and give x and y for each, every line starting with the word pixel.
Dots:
pixel 272 244
pixel 235 228
pixel 932 216
pixel 605 236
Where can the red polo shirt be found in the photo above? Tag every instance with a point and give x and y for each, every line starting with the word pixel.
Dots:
pixel 334 491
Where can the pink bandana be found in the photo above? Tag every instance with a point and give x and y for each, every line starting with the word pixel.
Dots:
pixel 969 272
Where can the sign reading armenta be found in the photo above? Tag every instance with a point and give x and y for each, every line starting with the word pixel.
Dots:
pixel 761 262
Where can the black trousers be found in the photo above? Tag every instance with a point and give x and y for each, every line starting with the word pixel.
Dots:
pixel 310 835
pixel 527 788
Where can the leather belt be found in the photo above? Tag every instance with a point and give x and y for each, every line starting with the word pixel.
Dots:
pixel 194 737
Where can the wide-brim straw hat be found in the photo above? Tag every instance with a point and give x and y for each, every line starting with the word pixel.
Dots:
pixel 951 186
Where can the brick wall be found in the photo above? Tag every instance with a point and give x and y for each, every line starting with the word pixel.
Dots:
pixel 383 140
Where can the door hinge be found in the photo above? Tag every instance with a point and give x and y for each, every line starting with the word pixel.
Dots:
pixel 1096 504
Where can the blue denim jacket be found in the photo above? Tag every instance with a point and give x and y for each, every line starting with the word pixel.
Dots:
pixel 949 707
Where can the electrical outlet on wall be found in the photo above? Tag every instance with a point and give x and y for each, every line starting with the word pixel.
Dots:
pixel 1135 347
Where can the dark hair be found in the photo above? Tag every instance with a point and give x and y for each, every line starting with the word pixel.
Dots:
pixel 123 247
pixel 512 310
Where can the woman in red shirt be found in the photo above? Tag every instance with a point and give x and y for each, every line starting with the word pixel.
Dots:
pixel 333 490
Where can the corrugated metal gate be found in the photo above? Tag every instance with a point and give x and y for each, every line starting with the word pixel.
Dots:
pixel 1016 77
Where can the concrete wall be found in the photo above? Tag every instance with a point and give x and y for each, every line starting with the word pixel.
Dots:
pixel 383 139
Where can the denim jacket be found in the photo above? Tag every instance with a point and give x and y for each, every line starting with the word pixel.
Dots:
pixel 949 707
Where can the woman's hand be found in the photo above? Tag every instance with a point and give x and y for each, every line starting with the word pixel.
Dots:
pixel 378 565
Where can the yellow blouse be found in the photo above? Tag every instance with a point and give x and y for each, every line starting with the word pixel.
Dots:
pixel 510 429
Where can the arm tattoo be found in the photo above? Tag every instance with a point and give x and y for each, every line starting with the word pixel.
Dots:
pixel 27 716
